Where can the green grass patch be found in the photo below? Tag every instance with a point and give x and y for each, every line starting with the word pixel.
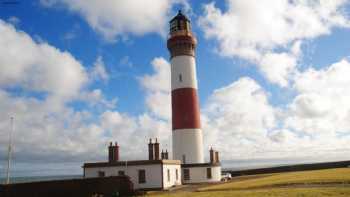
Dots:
pixel 340 175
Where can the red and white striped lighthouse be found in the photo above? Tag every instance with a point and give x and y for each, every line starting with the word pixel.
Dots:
pixel 187 134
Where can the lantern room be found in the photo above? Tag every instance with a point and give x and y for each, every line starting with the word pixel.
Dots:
pixel 180 23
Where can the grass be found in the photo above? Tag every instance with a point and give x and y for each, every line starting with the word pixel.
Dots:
pixel 340 175
pixel 318 183
pixel 277 192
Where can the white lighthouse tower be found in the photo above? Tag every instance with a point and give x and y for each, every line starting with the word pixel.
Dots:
pixel 187 137
pixel 187 133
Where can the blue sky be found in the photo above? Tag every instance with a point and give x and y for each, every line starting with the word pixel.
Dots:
pixel 268 74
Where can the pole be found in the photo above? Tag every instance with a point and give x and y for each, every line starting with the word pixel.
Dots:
pixel 9 153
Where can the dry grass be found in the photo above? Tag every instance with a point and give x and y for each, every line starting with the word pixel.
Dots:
pixel 333 182
pixel 341 175
pixel 277 192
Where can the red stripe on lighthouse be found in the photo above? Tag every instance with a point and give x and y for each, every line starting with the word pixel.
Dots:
pixel 185 109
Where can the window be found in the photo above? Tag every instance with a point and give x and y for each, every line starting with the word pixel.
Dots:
pixel 101 174
pixel 180 77
pixel 173 26
pixel 176 174
pixel 209 173
pixel 142 176
pixel 183 158
pixel 121 173
pixel 168 174
pixel 186 174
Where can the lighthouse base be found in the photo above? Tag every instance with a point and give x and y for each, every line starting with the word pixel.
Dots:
pixel 188 146
pixel 201 173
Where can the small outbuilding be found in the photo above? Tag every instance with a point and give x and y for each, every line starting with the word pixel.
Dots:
pixel 153 174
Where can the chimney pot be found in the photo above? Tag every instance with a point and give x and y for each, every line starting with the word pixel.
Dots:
pixel 212 155
pixel 150 150
pixel 116 152
pixel 156 150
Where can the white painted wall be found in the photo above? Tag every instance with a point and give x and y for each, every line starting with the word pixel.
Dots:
pixel 199 175
pixel 186 67
pixel 153 174
pixel 188 142
pixel 173 181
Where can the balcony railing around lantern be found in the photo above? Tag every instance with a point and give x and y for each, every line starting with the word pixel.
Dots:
pixel 182 33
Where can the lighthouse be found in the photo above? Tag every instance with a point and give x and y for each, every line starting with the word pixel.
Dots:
pixel 187 137
pixel 187 165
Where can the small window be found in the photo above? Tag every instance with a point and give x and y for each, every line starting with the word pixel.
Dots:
pixel 180 77
pixel 187 174
pixel 176 174
pixel 121 173
pixel 168 174
pixel 101 174
pixel 142 176
pixel 209 173
pixel 173 26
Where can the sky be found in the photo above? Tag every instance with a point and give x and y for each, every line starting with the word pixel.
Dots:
pixel 273 78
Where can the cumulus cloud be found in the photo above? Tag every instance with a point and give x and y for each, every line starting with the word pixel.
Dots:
pixel 238 117
pixel 116 18
pixel 40 67
pixel 259 31
pixel 157 87
pixel 47 126
pixel 241 123
pixel 322 104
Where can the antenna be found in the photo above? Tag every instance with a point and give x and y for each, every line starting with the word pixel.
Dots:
pixel 9 153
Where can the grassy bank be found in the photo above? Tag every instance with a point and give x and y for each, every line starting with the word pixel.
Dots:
pixel 333 182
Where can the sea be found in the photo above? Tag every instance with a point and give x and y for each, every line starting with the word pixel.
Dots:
pixel 27 179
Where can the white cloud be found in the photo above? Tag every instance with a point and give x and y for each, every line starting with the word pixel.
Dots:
pixel 322 106
pixel 39 67
pixel 157 87
pixel 48 128
pixel 99 72
pixel 253 30
pixel 278 67
pixel 96 98
pixel 115 18
pixel 238 117
pixel 239 121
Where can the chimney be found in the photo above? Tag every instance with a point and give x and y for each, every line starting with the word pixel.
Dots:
pixel 116 152
pixel 166 154
pixel 150 150
pixel 216 157
pixel 110 152
pixel 211 154
pixel 156 150
pixel 162 156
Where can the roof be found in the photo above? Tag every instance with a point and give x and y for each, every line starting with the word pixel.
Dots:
pixel 131 163
pixel 194 165
pixel 180 16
